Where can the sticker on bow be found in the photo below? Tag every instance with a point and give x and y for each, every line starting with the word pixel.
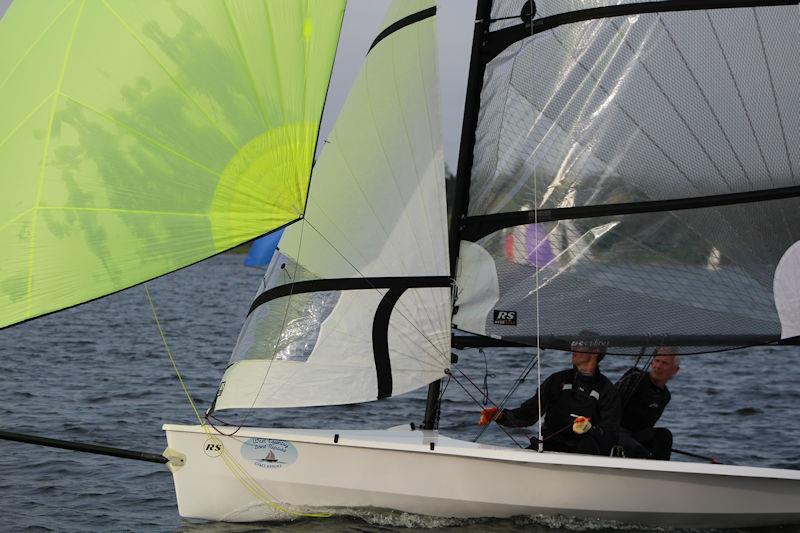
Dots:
pixel 269 453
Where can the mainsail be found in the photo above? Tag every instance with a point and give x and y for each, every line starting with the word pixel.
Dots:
pixel 636 171
pixel 355 305
pixel 138 138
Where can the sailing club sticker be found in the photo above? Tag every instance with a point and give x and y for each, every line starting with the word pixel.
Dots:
pixel 269 453
pixel 505 318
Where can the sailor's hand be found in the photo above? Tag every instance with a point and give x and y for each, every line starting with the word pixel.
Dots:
pixel 581 425
pixel 487 415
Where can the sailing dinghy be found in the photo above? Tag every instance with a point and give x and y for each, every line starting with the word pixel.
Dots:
pixel 626 168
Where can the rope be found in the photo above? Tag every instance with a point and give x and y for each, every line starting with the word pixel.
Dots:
pixel 486 376
pixel 233 466
pixel 521 379
pixel 478 403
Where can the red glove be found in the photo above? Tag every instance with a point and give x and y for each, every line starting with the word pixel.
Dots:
pixel 487 415
pixel 581 425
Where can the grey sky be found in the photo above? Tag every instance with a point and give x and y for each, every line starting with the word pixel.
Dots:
pixel 454 27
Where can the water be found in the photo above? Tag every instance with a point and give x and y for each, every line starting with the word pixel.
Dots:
pixel 99 373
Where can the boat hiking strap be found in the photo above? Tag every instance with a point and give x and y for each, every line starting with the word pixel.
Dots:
pixel 238 471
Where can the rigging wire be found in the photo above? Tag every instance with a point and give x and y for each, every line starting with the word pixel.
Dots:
pixel 478 403
pixel 238 471
pixel 520 379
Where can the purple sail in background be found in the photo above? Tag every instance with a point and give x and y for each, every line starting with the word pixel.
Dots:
pixel 538 246
pixel 262 249
pixel 529 246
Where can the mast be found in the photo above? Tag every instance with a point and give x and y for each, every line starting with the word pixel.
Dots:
pixel 472 102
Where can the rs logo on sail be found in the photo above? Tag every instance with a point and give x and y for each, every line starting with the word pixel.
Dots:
pixel 505 318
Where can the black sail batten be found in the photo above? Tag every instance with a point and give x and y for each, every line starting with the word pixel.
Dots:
pixel 499 40
pixel 380 341
pixel 347 284
pixel 472 103
pixel 402 23
pixel 476 227
pixel 554 342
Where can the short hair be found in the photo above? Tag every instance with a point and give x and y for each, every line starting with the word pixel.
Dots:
pixel 669 350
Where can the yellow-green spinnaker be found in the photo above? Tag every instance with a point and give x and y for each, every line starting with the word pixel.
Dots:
pixel 140 137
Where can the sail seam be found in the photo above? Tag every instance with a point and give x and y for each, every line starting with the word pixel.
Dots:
pixel 26 119
pixel 36 42
pixel 142 135
pixel 170 75
pixel 476 227
pixel 45 151
pixel 345 284
pixel 402 23
pixel 246 61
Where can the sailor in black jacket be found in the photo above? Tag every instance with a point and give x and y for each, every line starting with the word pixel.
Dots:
pixel 580 405
pixel 644 397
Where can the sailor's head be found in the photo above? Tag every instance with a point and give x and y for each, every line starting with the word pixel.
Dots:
pixel 587 347
pixel 665 365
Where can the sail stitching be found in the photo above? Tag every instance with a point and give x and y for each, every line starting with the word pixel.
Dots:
pixel 677 111
pixel 26 118
pixel 774 95
pixel 433 129
pixel 43 165
pixel 249 69
pixel 114 210
pixel 169 74
pixel 379 137
pixel 140 134
pixel 275 62
pixel 35 42
pixel 708 104
pixel 19 216
pixel 741 98
pixel 392 50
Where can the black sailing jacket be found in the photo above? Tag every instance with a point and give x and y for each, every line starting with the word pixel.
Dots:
pixel 569 393
pixel 642 402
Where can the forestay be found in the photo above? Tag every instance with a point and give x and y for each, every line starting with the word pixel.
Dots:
pixel 589 123
pixel 355 305
pixel 140 137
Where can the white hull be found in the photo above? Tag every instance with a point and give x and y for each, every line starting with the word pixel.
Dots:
pixel 398 470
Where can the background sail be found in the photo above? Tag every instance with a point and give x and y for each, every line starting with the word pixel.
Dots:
pixel 137 138
pixel 626 109
pixel 356 304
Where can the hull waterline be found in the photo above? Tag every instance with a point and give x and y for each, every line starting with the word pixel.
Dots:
pixel 426 473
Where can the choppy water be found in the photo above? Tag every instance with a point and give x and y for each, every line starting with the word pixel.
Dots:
pixel 99 373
